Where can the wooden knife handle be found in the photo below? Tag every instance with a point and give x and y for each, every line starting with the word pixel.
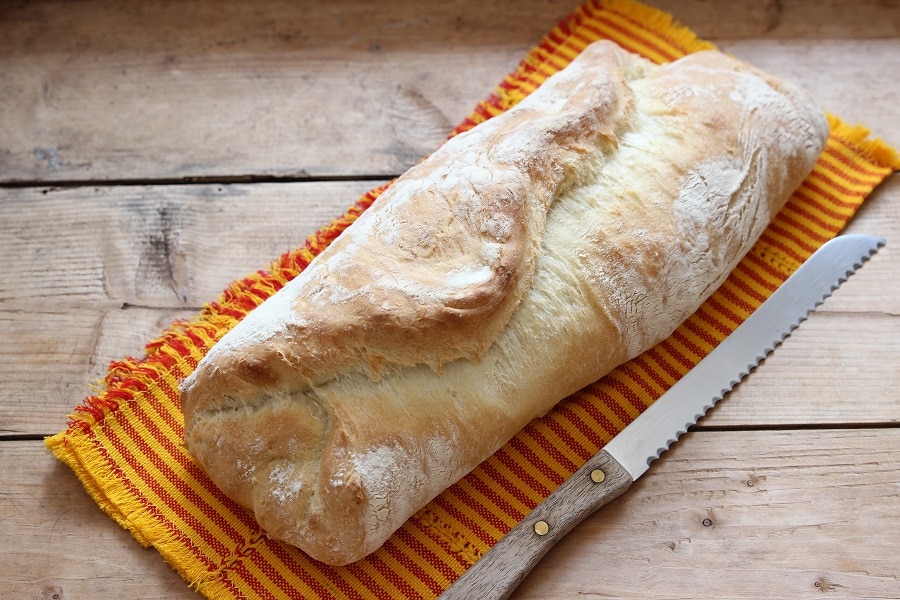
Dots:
pixel 601 480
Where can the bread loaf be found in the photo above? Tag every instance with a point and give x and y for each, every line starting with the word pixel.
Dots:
pixel 523 260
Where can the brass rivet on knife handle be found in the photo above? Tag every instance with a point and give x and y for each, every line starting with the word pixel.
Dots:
pixel 498 572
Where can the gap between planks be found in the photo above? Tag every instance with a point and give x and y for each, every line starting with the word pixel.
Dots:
pixel 248 179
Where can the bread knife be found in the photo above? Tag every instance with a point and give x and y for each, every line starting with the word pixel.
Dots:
pixel 610 472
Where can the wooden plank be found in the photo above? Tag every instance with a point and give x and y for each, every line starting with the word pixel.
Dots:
pixel 162 246
pixel 788 514
pixel 102 90
pixel 787 19
pixel 42 365
pixel 834 369
pixel 179 246
pixel 743 515
pixel 50 361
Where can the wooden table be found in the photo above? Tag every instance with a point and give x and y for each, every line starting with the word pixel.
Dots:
pixel 151 152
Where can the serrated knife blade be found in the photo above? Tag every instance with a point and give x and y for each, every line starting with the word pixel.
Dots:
pixel 651 434
pixel 610 472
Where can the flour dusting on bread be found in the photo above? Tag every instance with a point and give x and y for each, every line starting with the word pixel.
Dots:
pixel 523 260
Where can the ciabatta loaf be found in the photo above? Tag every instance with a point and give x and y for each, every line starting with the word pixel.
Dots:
pixel 522 261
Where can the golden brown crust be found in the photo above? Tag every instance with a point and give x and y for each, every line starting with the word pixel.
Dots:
pixel 522 261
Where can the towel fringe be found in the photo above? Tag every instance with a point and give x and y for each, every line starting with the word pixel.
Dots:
pixel 873 149
pixel 665 24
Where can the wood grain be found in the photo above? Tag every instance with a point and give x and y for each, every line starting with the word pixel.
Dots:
pixel 103 90
pixel 229 89
pixel 743 515
pixel 52 360
pixel 787 19
pixel 834 369
pixel 159 246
